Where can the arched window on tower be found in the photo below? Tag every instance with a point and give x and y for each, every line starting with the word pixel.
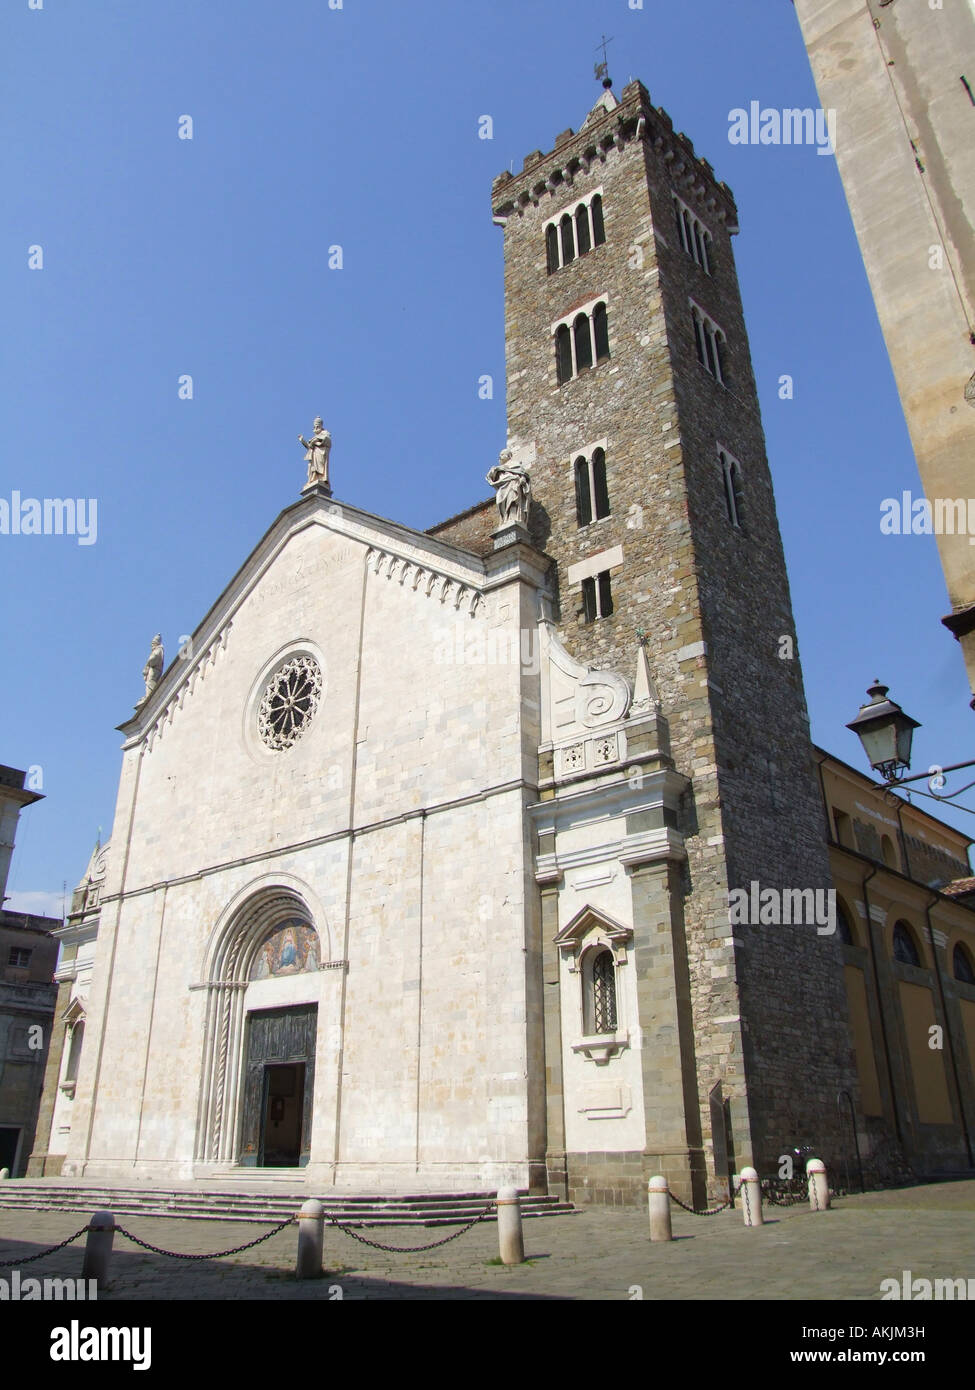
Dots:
pixel 568 241
pixel 598 229
pixel 583 493
pixel 600 492
pixel 601 332
pixel 583 341
pixel 583 239
pixel 731 479
pixel 552 247
pixel 563 354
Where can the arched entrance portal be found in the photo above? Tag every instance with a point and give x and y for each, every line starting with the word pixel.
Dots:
pixel 262 1021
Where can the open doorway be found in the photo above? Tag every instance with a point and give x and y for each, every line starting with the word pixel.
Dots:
pixel 282 1110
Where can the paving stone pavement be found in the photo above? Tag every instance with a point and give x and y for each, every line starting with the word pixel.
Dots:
pixel 596 1254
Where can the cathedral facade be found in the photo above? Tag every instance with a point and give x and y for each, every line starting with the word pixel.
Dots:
pixel 420 870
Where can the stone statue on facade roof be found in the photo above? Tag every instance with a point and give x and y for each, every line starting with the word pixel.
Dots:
pixel 318 447
pixel 153 668
pixel 513 489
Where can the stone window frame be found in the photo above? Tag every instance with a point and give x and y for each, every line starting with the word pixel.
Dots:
pixel 259 751
pixel 710 343
pixel 590 932
pixel 572 210
pixel 732 483
pixel 695 238
pixel 569 323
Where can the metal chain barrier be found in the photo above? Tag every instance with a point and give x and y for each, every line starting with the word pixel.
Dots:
pixel 28 1259
pixel 212 1255
pixel 712 1212
pixel 410 1249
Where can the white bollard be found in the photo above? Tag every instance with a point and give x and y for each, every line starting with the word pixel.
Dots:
pixel 311 1240
pixel 751 1197
pixel 818 1184
pixel 510 1239
pixel 4 1174
pixel 98 1247
pixel 658 1195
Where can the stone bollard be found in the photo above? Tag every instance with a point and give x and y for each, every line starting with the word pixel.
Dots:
pixel 98 1247
pixel 510 1239
pixel 751 1197
pixel 659 1199
pixel 818 1184
pixel 311 1240
pixel 4 1174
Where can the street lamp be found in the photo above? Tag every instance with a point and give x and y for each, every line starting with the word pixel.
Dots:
pixel 885 732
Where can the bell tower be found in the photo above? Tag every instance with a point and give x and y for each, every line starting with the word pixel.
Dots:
pixel 631 400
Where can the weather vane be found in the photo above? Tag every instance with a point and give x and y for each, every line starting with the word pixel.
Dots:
pixel 602 69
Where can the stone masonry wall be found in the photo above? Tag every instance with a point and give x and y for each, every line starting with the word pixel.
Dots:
pixel 712 600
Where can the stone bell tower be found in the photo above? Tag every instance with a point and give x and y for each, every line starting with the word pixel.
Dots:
pixel 631 399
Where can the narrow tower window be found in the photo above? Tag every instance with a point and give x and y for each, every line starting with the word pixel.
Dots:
pixel 568 243
pixel 601 332
pixel 583 240
pixel 552 247
pixel 600 492
pixel 563 353
pixel 583 342
pixel 598 229
pixel 731 478
pixel 583 493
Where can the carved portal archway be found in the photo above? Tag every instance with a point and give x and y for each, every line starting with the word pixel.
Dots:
pixel 271 933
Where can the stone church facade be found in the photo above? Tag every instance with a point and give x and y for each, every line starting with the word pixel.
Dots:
pixel 420 869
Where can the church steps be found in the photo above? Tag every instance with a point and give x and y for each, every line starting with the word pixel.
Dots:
pixel 429 1209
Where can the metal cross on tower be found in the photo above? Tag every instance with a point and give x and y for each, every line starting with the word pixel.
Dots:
pixel 602 69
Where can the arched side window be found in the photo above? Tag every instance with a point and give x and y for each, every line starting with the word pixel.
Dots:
pixel 600 491
pixel 583 239
pixel 598 227
pixel 961 965
pixel 731 481
pixel 552 247
pixel 592 492
pixel 710 344
pixel 583 342
pixel 583 492
pixel 574 233
pixel 888 852
pixel 563 354
pixel 568 240
pixel 600 322
pixel 905 945
pixel 600 1011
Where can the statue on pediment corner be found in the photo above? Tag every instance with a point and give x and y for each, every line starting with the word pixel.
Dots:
pixel 153 668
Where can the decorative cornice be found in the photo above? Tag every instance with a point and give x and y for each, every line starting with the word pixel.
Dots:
pixel 425 579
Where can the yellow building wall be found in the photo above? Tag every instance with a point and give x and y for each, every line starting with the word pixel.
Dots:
pixel 927 1063
pixel 856 995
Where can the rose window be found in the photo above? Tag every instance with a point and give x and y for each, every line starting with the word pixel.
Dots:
pixel 289 702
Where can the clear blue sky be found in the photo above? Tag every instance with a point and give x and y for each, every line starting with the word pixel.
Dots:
pixel 358 127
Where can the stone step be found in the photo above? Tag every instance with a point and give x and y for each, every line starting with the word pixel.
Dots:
pixel 426 1209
